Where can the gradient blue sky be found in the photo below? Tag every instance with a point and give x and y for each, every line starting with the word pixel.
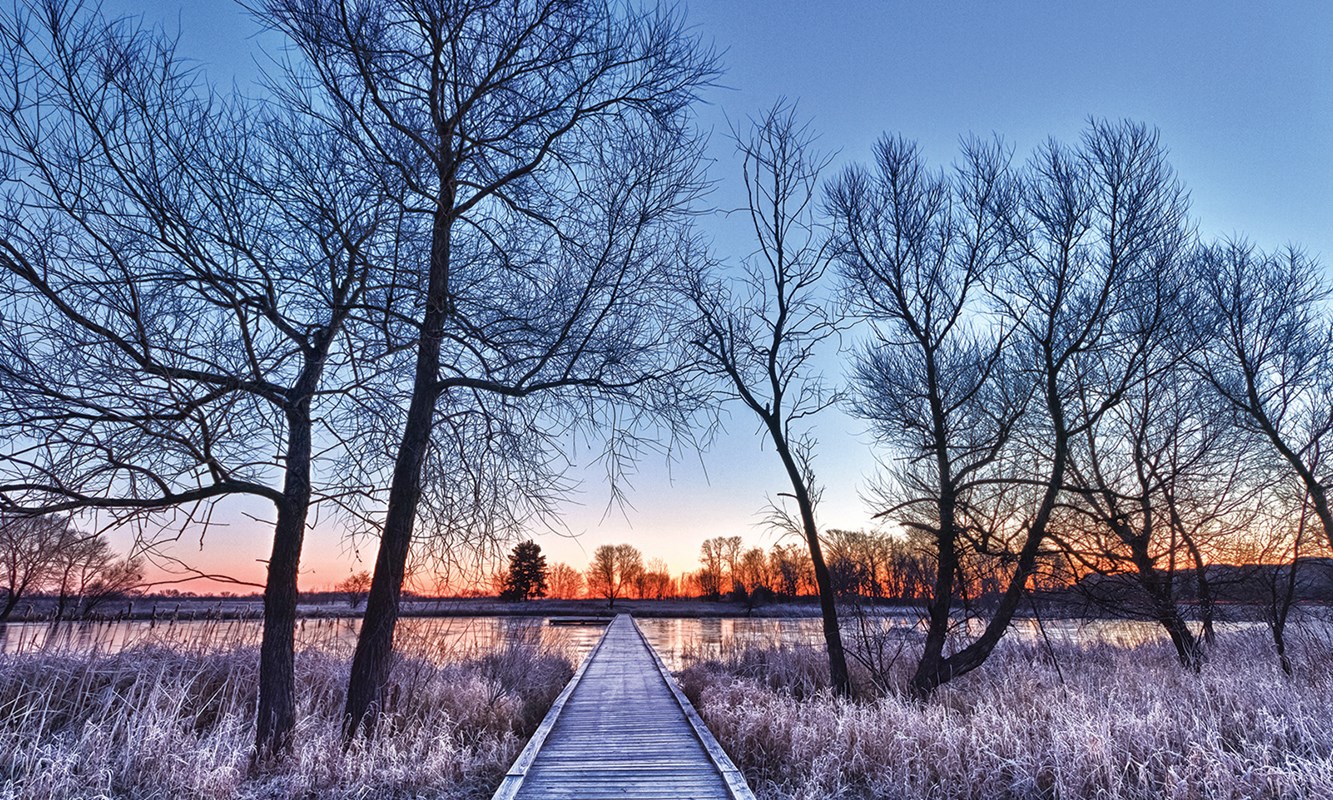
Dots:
pixel 1242 93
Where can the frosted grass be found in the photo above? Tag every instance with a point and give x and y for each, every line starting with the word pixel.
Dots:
pixel 168 723
pixel 1111 723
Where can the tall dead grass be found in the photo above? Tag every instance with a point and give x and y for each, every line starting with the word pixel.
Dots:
pixel 1109 722
pixel 176 723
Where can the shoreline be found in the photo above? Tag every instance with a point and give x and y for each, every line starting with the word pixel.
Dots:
pixel 162 609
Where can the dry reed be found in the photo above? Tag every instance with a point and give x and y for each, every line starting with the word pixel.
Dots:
pixel 153 722
pixel 1111 723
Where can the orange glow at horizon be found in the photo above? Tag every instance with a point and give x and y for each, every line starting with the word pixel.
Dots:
pixel 696 502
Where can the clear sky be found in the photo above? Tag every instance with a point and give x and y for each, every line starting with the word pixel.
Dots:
pixel 1242 93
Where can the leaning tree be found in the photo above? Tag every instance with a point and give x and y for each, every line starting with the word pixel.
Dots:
pixel 539 157
pixel 759 334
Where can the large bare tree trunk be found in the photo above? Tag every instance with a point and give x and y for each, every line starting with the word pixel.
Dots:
pixel 925 681
pixel 941 603
pixel 374 646
pixel 276 717
pixel 837 656
pixel 11 600
pixel 1164 609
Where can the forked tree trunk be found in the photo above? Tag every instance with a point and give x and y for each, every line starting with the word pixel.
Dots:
pixel 941 603
pixel 946 569
pixel 926 681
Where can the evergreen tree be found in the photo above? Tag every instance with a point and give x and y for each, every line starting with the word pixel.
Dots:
pixel 527 573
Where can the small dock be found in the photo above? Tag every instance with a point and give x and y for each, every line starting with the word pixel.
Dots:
pixel 623 729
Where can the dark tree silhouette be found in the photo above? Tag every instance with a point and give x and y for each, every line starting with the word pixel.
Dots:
pixel 1070 252
pixel 180 269
pixel 1158 479
pixel 526 578
pixel 355 587
pixel 916 249
pixel 30 548
pixel 541 150
pixel 51 556
pixel 1087 234
pixel 613 570
pixel 1265 342
pixel 712 566
pixel 759 339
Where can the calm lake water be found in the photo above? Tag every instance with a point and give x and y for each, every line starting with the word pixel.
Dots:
pixel 449 638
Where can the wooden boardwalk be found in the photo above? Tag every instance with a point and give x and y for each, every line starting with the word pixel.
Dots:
pixel 622 729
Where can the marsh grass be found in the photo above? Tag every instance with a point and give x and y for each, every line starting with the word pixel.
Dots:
pixel 154 722
pixel 1111 722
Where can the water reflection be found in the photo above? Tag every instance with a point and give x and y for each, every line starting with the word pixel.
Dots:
pixel 437 638
pixel 680 641
pixel 450 638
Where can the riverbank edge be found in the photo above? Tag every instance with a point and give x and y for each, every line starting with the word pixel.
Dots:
pixel 211 608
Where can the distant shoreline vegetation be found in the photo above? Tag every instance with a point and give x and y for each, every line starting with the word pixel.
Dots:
pixel 325 605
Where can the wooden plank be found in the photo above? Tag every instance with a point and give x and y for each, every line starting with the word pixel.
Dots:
pixel 735 780
pixel 622 728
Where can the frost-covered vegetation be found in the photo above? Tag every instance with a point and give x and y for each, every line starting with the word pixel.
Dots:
pixel 166 723
pixel 1070 721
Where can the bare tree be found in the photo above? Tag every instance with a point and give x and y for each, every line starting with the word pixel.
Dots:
pixel 656 583
pixel 29 549
pixel 979 395
pixel 1266 338
pixel 730 549
pixel 759 335
pixel 1154 478
pixel 354 586
pixel 120 578
pixel 789 565
pixel 77 563
pixel 566 582
pixel 613 570
pixel 1087 236
pixel 541 150
pixel 916 249
pixel 1262 559
pixel 755 582
pixel 713 566
pixel 180 269
pixel 48 554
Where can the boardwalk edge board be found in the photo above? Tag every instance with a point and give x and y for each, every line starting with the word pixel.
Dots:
pixel 513 779
pixel 737 787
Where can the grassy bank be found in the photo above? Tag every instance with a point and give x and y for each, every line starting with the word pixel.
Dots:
pixel 1097 721
pixel 156 723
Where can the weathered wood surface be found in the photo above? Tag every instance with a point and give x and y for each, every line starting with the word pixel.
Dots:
pixel 622 729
